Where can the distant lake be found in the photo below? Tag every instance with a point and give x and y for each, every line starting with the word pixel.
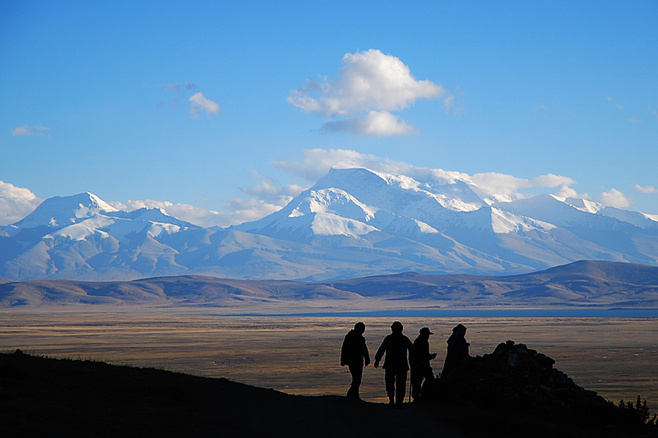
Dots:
pixel 522 313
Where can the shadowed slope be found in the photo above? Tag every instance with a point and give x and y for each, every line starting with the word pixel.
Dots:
pixel 73 398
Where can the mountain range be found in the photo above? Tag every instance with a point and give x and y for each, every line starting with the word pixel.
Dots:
pixel 579 285
pixel 353 222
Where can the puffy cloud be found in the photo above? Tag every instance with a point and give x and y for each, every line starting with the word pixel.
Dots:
pixel 201 103
pixel 16 203
pixel 615 198
pixel 646 189
pixel 32 131
pixel 371 85
pixel 569 192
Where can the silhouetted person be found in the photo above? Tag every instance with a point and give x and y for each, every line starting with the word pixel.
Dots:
pixel 396 345
pixel 457 349
pixel 420 362
pixel 353 353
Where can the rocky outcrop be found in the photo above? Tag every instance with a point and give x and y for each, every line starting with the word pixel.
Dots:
pixel 517 382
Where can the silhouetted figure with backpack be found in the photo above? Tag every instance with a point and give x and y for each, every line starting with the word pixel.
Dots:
pixel 395 346
pixel 353 353
pixel 457 349
pixel 420 363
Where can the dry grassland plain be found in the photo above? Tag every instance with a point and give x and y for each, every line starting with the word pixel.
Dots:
pixel 617 357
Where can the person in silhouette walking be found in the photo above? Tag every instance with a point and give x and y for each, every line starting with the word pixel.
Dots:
pixel 395 346
pixel 354 353
pixel 457 349
pixel 420 363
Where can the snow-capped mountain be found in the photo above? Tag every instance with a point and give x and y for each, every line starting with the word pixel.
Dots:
pixel 353 222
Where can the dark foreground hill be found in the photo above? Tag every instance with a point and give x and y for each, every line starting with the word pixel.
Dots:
pixel 73 398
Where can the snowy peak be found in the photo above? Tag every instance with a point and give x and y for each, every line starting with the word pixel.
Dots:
pixel 333 201
pixel 504 222
pixel 317 212
pixel 61 211
pixel 156 215
pixel 393 191
pixel 547 208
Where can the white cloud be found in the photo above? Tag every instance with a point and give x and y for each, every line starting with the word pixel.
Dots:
pixel 615 198
pixel 263 198
pixel 646 189
pixel 198 102
pixel 190 213
pixel 551 180
pixel 267 190
pixel 317 162
pixel 371 85
pixel 242 210
pixel 506 187
pixel 32 131
pixel 569 192
pixel 16 203
pixel 201 103
pixel 375 123
pixel 503 187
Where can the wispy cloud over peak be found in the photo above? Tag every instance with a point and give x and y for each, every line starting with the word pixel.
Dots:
pixel 646 189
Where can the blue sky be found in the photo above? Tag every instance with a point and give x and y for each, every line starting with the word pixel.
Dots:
pixel 221 111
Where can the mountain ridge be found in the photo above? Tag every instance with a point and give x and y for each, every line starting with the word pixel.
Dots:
pixel 353 222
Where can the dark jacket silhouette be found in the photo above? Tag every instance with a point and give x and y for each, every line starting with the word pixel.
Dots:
pixel 353 353
pixel 420 362
pixel 457 349
pixel 395 346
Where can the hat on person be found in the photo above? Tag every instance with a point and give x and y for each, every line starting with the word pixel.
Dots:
pixel 425 331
